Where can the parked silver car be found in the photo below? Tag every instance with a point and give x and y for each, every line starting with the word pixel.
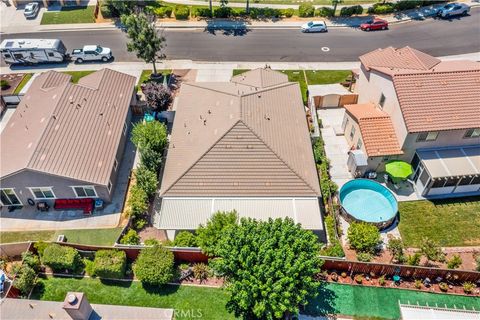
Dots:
pixel 314 26
pixel 31 10
pixel 453 9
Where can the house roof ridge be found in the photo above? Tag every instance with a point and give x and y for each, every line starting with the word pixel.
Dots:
pixel 281 85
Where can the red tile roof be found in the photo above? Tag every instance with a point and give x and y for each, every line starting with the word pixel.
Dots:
pixel 378 134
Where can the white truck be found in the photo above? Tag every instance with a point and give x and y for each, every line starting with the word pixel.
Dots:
pixel 91 53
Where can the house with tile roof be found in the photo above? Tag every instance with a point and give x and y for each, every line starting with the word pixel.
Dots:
pixel 66 140
pixel 417 108
pixel 242 145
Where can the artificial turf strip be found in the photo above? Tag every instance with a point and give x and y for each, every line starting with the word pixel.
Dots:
pixel 364 301
pixel 186 300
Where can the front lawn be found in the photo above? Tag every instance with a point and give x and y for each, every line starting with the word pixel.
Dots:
pixel 298 76
pixel 209 301
pixel 454 222
pixel 101 237
pixel 326 76
pixel 236 72
pixel 70 15
pixel 22 83
pixel 76 75
pixel 145 76
pixel 363 301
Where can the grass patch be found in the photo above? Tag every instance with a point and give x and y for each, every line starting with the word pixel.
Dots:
pixel 454 222
pixel 210 301
pixel 10 237
pixel 298 76
pixel 326 76
pixel 70 15
pixel 22 83
pixel 101 237
pixel 145 76
pixel 76 75
pixel 362 301
pixel 236 72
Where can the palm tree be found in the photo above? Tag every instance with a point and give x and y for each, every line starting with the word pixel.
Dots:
pixel 335 3
pixel 211 8
pixel 248 6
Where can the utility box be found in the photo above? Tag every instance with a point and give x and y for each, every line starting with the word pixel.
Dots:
pixel 77 306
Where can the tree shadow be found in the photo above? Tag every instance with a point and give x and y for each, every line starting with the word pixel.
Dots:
pixel 164 290
pixel 115 283
pixel 323 304
pixel 227 27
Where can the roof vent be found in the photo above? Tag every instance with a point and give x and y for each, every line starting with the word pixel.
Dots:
pixel 71 298
pixel 54 117
pixel 205 122
pixel 266 117
pixel 209 111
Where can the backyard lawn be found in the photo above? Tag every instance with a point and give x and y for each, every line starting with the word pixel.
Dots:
pixel 76 75
pixel 363 301
pixel 70 15
pixel 454 222
pixel 22 83
pixel 101 237
pixel 326 76
pixel 210 301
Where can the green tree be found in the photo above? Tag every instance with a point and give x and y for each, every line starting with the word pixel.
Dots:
pixel 335 4
pixel 396 247
pixel 137 201
pixel 151 159
pixel 154 266
pixel 144 39
pixel 185 239
pixel 150 136
pixel 208 236
pixel 363 237
pixel 131 237
pixel 431 250
pixel 25 280
pixel 120 7
pixel 61 258
pixel 455 262
pixel 269 267
pixel 146 180
pixel 31 260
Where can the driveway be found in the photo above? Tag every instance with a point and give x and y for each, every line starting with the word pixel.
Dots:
pixel 12 19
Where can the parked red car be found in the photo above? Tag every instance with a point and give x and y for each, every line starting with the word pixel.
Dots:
pixel 375 24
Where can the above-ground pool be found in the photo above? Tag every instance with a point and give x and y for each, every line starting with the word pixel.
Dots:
pixel 368 201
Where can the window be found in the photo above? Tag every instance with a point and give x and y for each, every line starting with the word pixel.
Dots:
pixel 438 183
pixel 109 186
pixel 424 177
pixel 465 181
pixel 85 191
pixel 359 143
pixel 115 165
pixel 18 56
pixel 381 102
pixel 51 54
pixel 7 55
pixel 42 193
pixel 427 136
pixel 9 197
pixel 125 129
pixel 345 123
pixel 352 132
pixel 475 180
pixel 472 133
pixel 452 181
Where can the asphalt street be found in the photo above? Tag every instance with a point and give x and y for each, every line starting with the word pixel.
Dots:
pixel 433 36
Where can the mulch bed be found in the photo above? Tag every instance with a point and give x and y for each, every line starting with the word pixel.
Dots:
pixel 14 79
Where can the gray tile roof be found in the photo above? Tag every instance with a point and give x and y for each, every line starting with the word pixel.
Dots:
pixel 66 129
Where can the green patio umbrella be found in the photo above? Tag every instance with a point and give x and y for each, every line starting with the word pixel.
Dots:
pixel 398 170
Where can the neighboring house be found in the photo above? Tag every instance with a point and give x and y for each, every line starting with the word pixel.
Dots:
pixel 240 145
pixel 66 140
pixel 417 108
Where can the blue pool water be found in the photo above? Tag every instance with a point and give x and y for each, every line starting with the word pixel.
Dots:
pixel 368 201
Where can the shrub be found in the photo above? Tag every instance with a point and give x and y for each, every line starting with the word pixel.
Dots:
pixel 381 281
pixel 202 12
pixel 468 287
pixel 200 271
pixel 363 237
pixel 359 278
pixel 477 260
pixel 443 286
pixel 378 8
pixel 184 266
pixel 163 12
pixel 139 223
pixel 253 13
pixel 182 12
pixel 306 10
pixel 131 237
pixel 185 239
pixel 344 275
pixel 4 84
pixel 334 249
pixel 414 259
pixel 418 284
pixel 31 260
pixel 146 180
pixel 396 247
pixel 222 12
pixel 89 267
pixel 209 235
pixel 349 11
pixel 271 13
pixel 324 12
pixel 61 258
pixel 40 247
pixel 431 250
pixel 110 263
pixel 407 4
pixel 334 276
pixel 151 159
pixel 455 262
pixel 151 242
pixel 137 201
pixel 149 136
pixel 106 11
pixel 154 266
pixel 364 257
pixel 157 95
pixel 288 12
pixel 25 280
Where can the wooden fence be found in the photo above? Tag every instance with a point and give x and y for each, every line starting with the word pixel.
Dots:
pixel 390 270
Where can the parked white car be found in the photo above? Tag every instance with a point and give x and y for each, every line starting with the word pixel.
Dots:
pixel 31 10
pixel 453 9
pixel 91 53
pixel 314 26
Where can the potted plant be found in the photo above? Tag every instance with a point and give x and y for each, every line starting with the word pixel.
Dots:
pixel 443 286
pixel 418 284
pixel 344 275
pixel 334 276
pixel 381 281
pixel 468 287
pixel 359 278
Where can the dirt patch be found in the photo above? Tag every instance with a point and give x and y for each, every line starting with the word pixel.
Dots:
pixel 152 232
pixel 13 79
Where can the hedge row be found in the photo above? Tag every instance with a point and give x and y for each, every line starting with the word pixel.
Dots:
pixel 110 264
pixel 61 258
pixel 388 7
